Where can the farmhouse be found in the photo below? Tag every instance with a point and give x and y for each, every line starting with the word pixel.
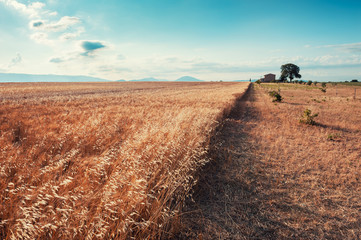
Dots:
pixel 268 78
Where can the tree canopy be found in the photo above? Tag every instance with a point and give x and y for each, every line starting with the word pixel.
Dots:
pixel 290 71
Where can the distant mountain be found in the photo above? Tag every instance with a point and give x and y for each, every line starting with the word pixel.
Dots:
pixel 148 80
pixel 121 80
pixel 18 77
pixel 188 79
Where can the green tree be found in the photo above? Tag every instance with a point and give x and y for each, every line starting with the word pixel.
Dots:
pixel 290 71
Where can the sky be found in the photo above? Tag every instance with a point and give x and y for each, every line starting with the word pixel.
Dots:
pixel 167 39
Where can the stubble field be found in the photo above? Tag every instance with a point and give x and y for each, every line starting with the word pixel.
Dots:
pixel 273 177
pixel 103 160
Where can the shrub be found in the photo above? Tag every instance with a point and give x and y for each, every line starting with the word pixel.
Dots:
pixel 258 81
pixel 307 117
pixel 333 136
pixel 315 83
pixel 276 96
pixel 309 83
pixel 354 80
pixel 323 89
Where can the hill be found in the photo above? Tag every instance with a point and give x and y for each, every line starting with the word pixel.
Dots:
pixel 188 79
pixel 150 79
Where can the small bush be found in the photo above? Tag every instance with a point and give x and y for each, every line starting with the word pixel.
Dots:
pixel 309 83
pixel 258 81
pixel 307 117
pixel 333 136
pixel 276 96
pixel 323 85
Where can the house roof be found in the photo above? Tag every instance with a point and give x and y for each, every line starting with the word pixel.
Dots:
pixel 270 74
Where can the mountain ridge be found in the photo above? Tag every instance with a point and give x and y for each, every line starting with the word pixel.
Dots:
pixel 22 77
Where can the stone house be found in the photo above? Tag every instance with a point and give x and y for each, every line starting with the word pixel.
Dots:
pixel 268 78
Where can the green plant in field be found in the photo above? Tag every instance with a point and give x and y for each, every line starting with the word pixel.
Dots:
pixel 323 89
pixel 258 81
pixel 276 96
pixel 333 136
pixel 309 83
pixel 315 100
pixel 308 117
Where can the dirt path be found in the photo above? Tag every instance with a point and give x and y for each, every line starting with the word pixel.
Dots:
pixel 228 203
pixel 272 178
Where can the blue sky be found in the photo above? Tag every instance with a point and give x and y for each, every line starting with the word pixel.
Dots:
pixel 167 39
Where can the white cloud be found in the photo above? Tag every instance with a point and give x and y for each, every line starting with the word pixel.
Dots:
pixel 41 38
pixel 32 10
pixel 16 60
pixel 121 57
pixel 349 47
pixel 63 24
pixel 113 69
pixel 67 57
pixel 39 22
pixel 56 60
pixel 72 35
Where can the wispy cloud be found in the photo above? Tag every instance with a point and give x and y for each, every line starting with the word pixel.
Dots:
pixel 63 24
pixel 56 60
pixel 32 10
pixel 16 60
pixel 113 69
pixel 45 30
pixel 72 35
pixel 349 47
pixel 121 57
pixel 42 38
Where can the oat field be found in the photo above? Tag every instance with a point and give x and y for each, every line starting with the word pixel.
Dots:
pixel 103 160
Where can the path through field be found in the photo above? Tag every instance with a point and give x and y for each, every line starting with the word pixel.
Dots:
pixel 228 201
pixel 248 193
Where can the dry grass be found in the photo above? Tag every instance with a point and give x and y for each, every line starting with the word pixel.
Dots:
pixel 103 160
pixel 275 178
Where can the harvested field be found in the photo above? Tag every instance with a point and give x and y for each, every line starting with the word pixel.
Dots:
pixel 103 160
pixel 272 177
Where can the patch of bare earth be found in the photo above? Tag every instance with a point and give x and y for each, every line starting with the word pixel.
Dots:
pixel 274 178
